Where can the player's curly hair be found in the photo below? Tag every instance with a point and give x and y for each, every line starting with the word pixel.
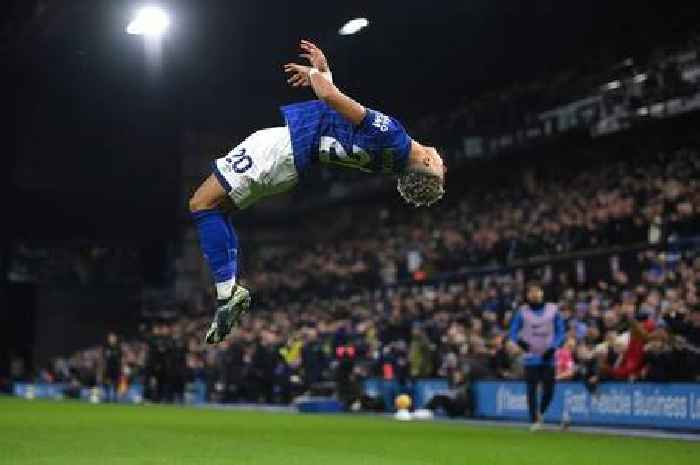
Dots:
pixel 419 188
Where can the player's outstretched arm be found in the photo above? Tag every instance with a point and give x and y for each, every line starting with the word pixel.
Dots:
pixel 318 77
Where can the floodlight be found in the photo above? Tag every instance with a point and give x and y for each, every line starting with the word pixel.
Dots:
pixel 353 26
pixel 149 21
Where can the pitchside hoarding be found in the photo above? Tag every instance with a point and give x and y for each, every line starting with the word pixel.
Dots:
pixel 195 393
pixel 668 405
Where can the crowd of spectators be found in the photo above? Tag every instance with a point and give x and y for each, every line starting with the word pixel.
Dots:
pixel 456 331
pixel 316 341
pixel 615 204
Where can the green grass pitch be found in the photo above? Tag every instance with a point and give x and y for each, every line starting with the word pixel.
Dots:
pixel 70 433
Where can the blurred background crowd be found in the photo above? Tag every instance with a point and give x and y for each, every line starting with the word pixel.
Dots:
pixel 431 295
pixel 515 219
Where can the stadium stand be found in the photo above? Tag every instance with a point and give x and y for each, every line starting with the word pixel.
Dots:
pixel 402 294
pixel 612 243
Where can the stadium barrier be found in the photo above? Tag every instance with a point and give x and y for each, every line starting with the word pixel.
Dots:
pixel 195 393
pixel 421 391
pixel 319 404
pixel 39 391
pixel 648 405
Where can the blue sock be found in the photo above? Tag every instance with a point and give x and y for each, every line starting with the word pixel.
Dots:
pixel 219 244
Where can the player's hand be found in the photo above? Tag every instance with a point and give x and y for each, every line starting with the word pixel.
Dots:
pixel 523 345
pixel 314 55
pixel 298 75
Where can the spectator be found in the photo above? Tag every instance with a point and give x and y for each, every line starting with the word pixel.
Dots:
pixel 112 357
pixel 564 360
pixel 420 353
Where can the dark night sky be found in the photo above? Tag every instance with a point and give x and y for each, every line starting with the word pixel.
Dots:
pixel 97 134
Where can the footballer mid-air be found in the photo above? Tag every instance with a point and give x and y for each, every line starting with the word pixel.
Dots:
pixel 333 129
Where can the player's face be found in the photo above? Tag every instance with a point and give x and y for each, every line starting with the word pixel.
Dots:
pixel 535 295
pixel 436 164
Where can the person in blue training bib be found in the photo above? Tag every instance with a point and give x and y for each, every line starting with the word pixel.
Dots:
pixel 334 129
pixel 539 330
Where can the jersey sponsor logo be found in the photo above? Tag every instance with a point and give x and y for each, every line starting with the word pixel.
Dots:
pixel 332 151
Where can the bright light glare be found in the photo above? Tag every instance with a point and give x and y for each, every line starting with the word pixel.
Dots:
pixel 149 21
pixel 353 26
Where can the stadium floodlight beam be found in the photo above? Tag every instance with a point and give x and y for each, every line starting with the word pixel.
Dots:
pixel 150 21
pixel 353 26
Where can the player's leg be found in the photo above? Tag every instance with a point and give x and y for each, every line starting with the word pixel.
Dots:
pixel 532 380
pixel 548 380
pixel 262 165
pixel 217 237
pixel 219 244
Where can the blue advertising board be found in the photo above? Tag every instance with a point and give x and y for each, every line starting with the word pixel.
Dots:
pixel 425 389
pixel 658 405
pixel 421 390
pixel 133 394
pixel 382 389
pixel 195 393
pixel 39 391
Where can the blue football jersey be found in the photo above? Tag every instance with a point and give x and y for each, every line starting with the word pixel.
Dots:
pixel 379 144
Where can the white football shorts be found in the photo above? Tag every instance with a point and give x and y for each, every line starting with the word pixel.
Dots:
pixel 260 166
